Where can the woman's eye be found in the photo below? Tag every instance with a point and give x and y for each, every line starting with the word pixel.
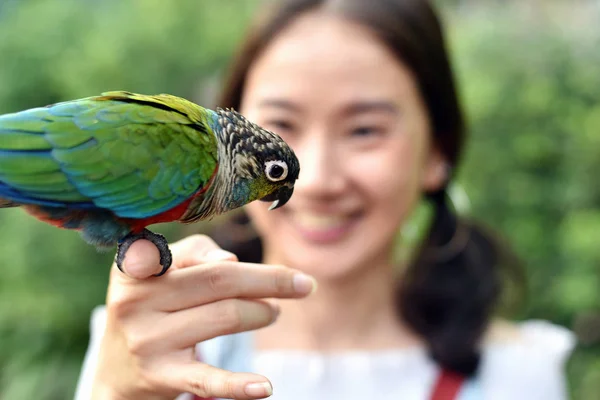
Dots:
pixel 365 131
pixel 278 125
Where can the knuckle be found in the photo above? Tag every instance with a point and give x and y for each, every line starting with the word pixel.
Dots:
pixel 200 386
pixel 199 241
pixel 124 301
pixel 135 345
pixel 140 341
pixel 220 280
pixel 207 385
pixel 148 380
pixel 282 281
pixel 195 241
pixel 229 384
pixel 120 308
pixel 228 314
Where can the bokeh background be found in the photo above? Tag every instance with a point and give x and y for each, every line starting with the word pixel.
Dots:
pixel 529 73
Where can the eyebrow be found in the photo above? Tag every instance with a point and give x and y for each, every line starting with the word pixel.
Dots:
pixel 358 107
pixel 279 103
pixel 365 106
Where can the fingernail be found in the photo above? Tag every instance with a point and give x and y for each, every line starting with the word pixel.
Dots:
pixel 304 284
pixel 218 254
pixel 263 389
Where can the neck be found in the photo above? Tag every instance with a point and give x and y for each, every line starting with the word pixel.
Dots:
pixel 209 202
pixel 356 313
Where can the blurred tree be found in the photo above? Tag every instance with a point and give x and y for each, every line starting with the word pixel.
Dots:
pixel 530 85
pixel 53 52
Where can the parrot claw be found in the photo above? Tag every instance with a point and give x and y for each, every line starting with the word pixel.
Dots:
pixel 158 240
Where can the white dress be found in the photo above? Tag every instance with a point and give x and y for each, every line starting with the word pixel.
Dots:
pixel 529 366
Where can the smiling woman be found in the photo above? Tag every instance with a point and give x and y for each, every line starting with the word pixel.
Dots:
pixel 364 94
pixel 358 122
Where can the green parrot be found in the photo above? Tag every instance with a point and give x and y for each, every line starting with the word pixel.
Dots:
pixel 108 166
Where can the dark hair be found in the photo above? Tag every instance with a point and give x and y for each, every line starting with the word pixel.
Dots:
pixel 448 293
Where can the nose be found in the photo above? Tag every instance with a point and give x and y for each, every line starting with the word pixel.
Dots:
pixel 321 167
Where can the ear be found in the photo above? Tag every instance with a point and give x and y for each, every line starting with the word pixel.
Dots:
pixel 436 171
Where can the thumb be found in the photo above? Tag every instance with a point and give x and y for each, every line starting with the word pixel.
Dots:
pixel 142 260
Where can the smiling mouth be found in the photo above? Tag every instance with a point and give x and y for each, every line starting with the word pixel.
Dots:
pixel 315 221
pixel 321 228
pixel 311 221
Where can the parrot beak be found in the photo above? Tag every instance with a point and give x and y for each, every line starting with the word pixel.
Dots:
pixel 279 197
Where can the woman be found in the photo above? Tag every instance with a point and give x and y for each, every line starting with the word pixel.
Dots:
pixel 363 92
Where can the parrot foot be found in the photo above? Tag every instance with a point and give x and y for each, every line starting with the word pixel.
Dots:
pixel 158 240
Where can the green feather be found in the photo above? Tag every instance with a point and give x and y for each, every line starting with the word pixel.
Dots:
pixel 136 155
pixel 27 163
pixel 24 141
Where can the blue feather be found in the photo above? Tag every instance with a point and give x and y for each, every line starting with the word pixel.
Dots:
pixel 9 193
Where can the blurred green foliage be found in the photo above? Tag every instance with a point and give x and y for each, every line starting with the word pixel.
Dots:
pixel 529 79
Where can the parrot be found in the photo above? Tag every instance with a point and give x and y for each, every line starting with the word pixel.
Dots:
pixel 112 164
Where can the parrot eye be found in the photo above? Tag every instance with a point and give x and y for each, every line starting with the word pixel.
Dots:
pixel 276 170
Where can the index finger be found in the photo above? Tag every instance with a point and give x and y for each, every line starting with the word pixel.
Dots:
pixel 142 259
pixel 198 249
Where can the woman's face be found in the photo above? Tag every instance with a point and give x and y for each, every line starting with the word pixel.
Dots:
pixel 352 113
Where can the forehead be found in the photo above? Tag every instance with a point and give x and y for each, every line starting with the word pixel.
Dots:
pixel 320 56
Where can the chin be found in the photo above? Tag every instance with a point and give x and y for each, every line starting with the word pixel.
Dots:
pixel 330 246
pixel 326 267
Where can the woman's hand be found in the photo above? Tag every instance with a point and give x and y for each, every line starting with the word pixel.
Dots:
pixel 154 323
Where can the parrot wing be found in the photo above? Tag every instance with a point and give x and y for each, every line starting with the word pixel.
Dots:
pixel 135 155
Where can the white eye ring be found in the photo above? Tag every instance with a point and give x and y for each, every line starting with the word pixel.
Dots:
pixel 282 173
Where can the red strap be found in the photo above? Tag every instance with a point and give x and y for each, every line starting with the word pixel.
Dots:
pixel 447 386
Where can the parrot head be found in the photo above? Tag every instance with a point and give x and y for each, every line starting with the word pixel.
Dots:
pixel 254 163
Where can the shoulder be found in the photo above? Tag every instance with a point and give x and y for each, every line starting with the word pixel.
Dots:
pixel 534 337
pixel 527 359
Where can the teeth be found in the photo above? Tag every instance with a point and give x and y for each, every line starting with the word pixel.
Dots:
pixel 313 221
